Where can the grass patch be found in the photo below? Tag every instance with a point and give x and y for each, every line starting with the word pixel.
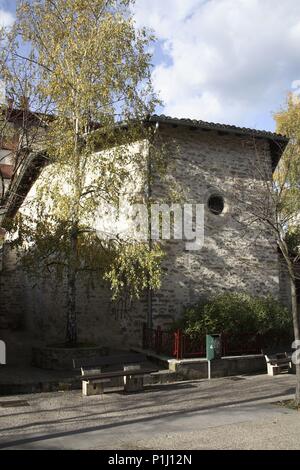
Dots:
pixel 291 404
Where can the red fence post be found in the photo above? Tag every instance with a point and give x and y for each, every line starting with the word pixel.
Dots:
pixel 174 348
pixel 258 343
pixel 145 345
pixel 158 336
pixel 175 345
pixel 178 344
pixel 223 344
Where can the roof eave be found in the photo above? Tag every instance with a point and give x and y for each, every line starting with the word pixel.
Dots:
pixel 277 142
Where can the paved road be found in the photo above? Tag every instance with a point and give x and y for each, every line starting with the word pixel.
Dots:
pixel 227 413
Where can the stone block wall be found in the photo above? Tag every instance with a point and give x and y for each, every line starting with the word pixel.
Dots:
pixel 232 258
pixel 37 308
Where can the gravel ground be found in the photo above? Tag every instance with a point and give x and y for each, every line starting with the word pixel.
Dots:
pixel 227 413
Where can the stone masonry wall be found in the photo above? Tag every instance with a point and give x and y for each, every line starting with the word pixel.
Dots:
pixel 36 308
pixel 231 259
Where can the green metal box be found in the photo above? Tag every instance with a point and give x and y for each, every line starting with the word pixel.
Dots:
pixel 213 347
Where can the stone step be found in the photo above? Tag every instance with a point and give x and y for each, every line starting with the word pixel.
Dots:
pixel 162 377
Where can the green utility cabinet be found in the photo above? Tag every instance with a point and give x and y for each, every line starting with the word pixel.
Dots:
pixel 213 347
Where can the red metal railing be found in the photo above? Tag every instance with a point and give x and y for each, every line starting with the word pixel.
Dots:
pixel 180 345
pixel 193 346
pixel 173 343
pixel 244 343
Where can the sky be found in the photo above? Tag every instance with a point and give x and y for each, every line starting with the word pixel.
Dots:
pixel 228 61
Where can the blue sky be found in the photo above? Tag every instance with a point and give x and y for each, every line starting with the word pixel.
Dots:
pixel 229 61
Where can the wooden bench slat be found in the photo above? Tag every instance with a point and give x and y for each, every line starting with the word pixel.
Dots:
pixel 96 381
pixel 119 373
pixel 278 361
pixel 90 371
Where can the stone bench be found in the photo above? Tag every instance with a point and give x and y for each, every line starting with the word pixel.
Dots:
pixel 131 368
pixel 277 362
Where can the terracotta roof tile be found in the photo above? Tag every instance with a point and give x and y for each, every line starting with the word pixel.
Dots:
pixel 217 127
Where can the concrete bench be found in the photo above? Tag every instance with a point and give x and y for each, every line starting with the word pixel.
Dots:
pixel 130 368
pixel 91 383
pixel 277 362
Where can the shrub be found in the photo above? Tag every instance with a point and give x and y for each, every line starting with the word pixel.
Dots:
pixel 235 314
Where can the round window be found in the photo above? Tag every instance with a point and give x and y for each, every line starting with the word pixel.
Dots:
pixel 216 204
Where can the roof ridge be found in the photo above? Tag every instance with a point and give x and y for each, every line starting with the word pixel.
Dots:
pixel 218 126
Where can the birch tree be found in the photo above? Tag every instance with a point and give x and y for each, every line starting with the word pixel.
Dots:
pixel 92 74
pixel 271 206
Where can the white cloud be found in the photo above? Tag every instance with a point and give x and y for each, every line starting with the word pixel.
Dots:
pixel 230 61
pixel 6 18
